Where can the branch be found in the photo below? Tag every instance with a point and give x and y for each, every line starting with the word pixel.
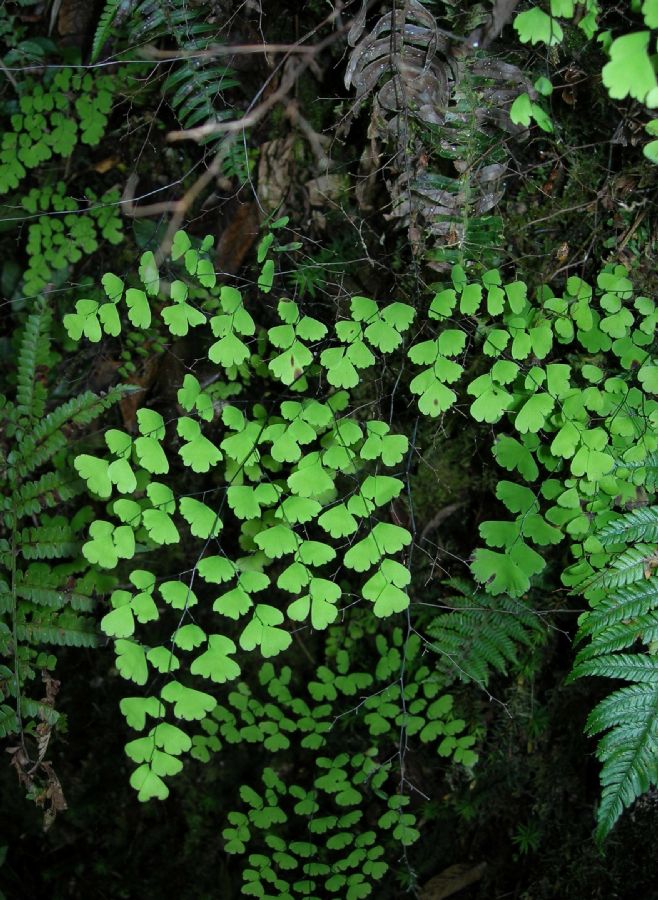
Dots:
pixel 292 70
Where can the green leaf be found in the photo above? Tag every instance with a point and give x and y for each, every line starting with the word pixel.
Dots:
pixel 151 456
pixel 108 544
pixel 511 455
pixel 198 453
pixel 189 636
pixel 139 311
pixel 289 366
pixel 148 785
pixel 170 738
pixel 180 245
pixel 148 272
pixel 203 521
pixel 135 709
pixel 113 287
pixel 229 351
pixel 297 510
pixel 521 110
pixel 266 277
pixel 535 26
pixel 189 704
pixel 338 521
pixel 310 479
pixel 215 663
pixel 162 659
pixel 216 569
pixel 532 415
pixel 178 594
pixel 262 631
pixel 160 526
pixel 630 71
pixel 508 572
pixel 243 501
pixel 385 593
pixel 119 623
pixel 95 472
pixel 131 661
pixel 277 541
pixel 293 578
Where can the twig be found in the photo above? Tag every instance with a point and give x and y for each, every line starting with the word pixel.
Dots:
pixel 292 70
pixel 151 52
pixel 316 140
pixel 437 519
pixel 10 77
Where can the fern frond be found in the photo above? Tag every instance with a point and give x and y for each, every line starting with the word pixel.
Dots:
pixel 481 634
pixel 623 604
pixel 45 586
pixel 104 27
pixel 31 396
pixel 65 630
pixel 625 666
pixel 194 89
pixel 8 720
pixel 50 490
pixel 47 542
pixel 614 637
pixel 648 467
pixel 629 567
pixel 34 709
pixel 629 752
pixel 47 437
pixel 638 525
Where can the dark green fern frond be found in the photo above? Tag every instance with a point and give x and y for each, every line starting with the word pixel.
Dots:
pixel 48 491
pixel 624 604
pixel 48 438
pixel 629 751
pixel 481 633
pixel 627 568
pixel 40 602
pixel 104 27
pixel 30 394
pixel 53 586
pixel 638 525
pixel 618 636
pixel 52 541
pixel 194 89
pixel 647 468
pixel 64 630
pixel 8 720
pixel 625 666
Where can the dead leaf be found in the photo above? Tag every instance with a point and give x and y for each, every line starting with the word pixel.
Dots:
pixel 451 880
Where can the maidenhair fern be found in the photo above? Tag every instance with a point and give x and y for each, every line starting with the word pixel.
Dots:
pixel 46 589
pixel 284 519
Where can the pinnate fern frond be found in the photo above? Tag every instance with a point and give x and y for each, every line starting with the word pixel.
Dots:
pixel 627 568
pixel 104 27
pixel 624 616
pixel 624 604
pixel 30 394
pixel 629 751
pixel 481 634
pixel 65 630
pixel 638 525
pixel 194 89
pixel 625 666
pixel 48 437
